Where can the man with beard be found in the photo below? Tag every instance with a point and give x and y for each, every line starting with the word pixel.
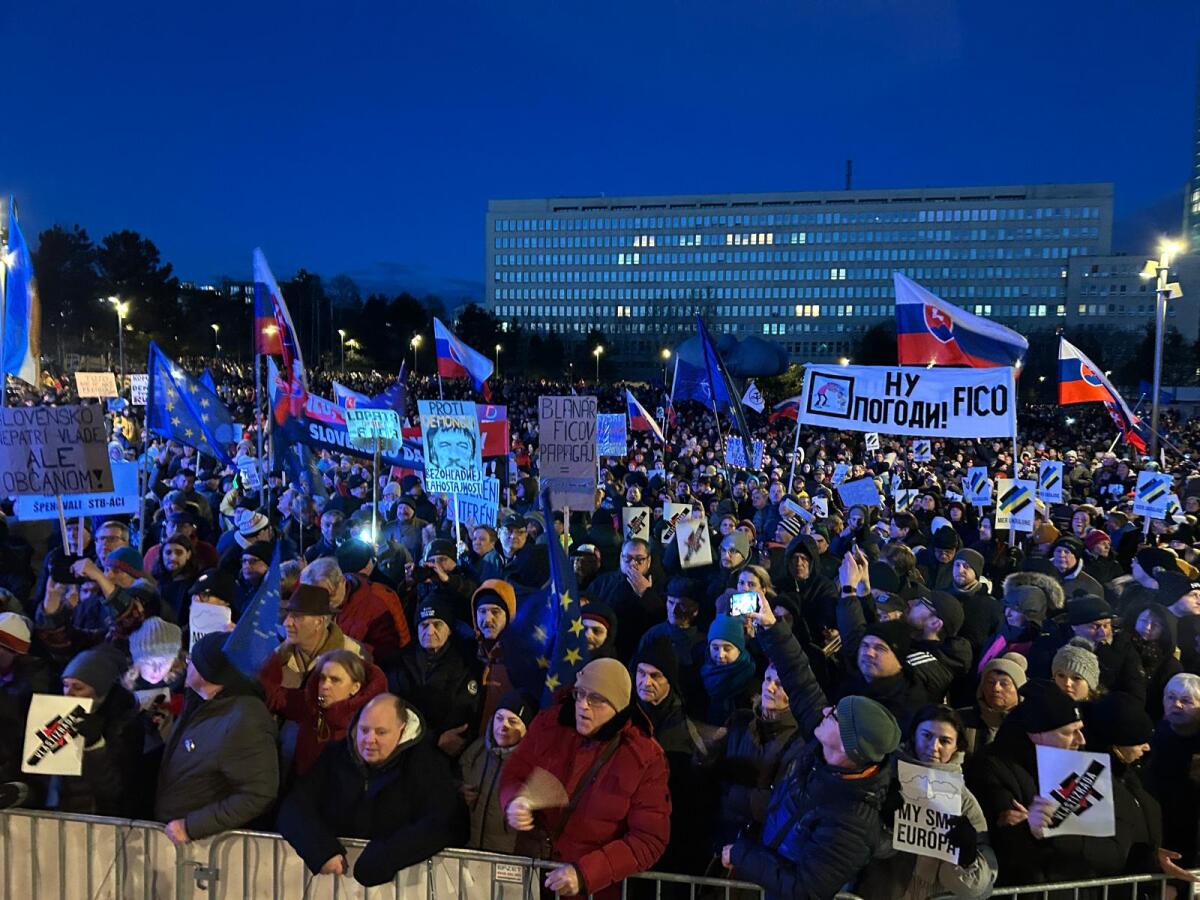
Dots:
pixel 815 595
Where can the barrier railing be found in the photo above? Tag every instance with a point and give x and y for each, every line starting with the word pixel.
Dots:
pixel 53 856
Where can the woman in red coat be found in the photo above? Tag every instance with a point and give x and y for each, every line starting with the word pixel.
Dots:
pixel 597 744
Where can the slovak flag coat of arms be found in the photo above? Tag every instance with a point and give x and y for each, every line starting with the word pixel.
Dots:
pixel 930 331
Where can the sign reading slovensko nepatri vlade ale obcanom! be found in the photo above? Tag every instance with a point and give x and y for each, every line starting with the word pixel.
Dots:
pixel 48 450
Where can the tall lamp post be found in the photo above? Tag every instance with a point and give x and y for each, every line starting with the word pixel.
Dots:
pixel 597 353
pixel 499 347
pixel 415 343
pixel 216 336
pixel 342 335
pixel 1160 270
pixel 121 309
pixel 666 358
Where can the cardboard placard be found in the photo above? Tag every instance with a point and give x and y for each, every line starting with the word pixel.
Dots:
pixel 139 388
pixel 735 453
pixel 122 499
pixel 872 441
pixel 922 450
pixel 364 426
pixel 450 437
pixel 611 438
pixel 977 487
pixel 96 384
pixel 1014 504
pixel 53 745
pixel 480 504
pixel 672 513
pixel 820 507
pixel 567 452
pixel 635 522
pixel 1050 481
pixel 864 492
pixel 1081 784
pixel 48 450
pixel 930 798
pixel 791 506
pixel 1152 494
pixel 251 472
pixel 902 499
pixel 695 549
pixel 205 618
pixel 840 471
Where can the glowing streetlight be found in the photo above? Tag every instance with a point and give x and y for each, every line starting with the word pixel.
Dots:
pixel 1160 271
pixel 342 335
pixel 121 310
pixel 415 343
pixel 216 335
pixel 499 348
pixel 844 361
pixel 597 353
pixel 666 358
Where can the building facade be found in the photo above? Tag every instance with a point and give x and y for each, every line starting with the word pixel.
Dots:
pixel 810 270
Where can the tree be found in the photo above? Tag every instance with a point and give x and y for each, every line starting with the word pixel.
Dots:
pixel 877 346
pixel 132 269
pixel 1179 360
pixel 307 302
pixel 69 284
pixel 478 328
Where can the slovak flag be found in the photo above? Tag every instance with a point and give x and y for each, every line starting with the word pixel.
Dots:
pixel 456 360
pixel 639 418
pixel 1081 381
pixel 786 409
pixel 274 333
pixel 930 331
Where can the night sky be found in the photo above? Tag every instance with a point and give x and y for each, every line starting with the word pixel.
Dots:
pixel 367 138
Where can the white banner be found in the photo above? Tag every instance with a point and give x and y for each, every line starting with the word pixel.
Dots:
pixel 915 402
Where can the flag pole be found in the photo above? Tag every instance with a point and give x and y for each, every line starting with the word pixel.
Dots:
pixel 1121 434
pixel 258 422
pixel 144 462
pixel 795 452
pixel 4 227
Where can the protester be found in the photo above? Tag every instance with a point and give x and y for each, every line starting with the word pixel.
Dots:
pixel 481 764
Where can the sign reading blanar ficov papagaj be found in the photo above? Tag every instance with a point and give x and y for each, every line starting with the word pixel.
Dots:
pixel 47 450
pixel 567 449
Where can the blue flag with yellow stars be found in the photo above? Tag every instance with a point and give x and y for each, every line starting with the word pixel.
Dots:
pixel 256 635
pixel 180 408
pixel 568 649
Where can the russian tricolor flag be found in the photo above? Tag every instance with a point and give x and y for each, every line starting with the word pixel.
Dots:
pixel 456 360
pixel 930 331
pixel 1081 381
pixel 786 409
pixel 639 418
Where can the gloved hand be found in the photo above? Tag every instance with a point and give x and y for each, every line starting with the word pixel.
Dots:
pixel 965 838
pixel 90 729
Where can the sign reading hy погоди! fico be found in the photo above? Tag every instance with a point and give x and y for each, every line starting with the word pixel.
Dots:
pixel 48 450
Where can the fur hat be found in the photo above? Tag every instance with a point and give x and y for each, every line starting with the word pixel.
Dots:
pixel 1033 594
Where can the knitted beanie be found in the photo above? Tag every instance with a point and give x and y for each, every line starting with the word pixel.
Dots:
pixel 1077 657
pixel 99 668
pixel 156 638
pixel 608 678
pixel 869 732
pixel 894 633
pixel 1012 664
pixel 972 558
pixel 728 628
pixel 520 704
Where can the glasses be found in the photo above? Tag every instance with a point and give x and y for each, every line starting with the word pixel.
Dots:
pixel 634 559
pixel 832 713
pixel 588 699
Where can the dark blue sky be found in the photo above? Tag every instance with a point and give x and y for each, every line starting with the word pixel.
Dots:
pixel 367 137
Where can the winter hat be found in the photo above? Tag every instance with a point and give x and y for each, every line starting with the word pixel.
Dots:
pixel 15 633
pixel 1151 558
pixel 1044 708
pixel 1045 534
pixel 498 593
pixel 883 577
pixel 520 704
pixel 894 633
pixel 1094 538
pixel 869 732
pixel 937 523
pixel 156 638
pixel 261 550
pixel 249 521
pixel 437 604
pixel 1012 664
pixel 728 628
pixel 209 660
pixel 354 555
pixel 738 542
pixel 99 668
pixel 1085 609
pixel 179 540
pixel 127 560
pixel 791 525
pixel 601 612
pixel 1070 543
pixel 440 547
pixel 1119 720
pixel 608 678
pixel 1078 657
pixel 945 538
pixel 659 653
pixel 309 600
pixel 1174 585
pixel 216 583
pixel 949 609
pixel 972 558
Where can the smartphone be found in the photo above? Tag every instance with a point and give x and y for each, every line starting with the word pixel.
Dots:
pixel 743 603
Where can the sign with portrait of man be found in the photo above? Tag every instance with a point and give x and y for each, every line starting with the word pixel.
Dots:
pixel 450 439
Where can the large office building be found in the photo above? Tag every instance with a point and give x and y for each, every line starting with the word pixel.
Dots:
pixel 810 270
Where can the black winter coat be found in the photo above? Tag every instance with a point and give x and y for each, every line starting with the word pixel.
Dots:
pixel 635 614
pixel 1120 665
pixel 444 688
pixel 745 764
pixel 407 807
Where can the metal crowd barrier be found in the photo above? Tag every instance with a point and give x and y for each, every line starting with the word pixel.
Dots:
pixel 54 856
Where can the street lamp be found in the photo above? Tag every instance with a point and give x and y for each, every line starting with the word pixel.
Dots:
pixel 1160 270
pixel 415 343
pixel 596 353
pixel 342 335
pixel 499 347
pixel 216 336
pixel 121 309
pixel 666 357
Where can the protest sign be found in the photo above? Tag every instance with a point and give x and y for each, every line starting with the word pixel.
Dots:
pixel 872 441
pixel 1080 783
pixel 691 535
pixel 840 471
pixel 251 472
pixel 735 453
pixel 936 402
pixel 929 800
pixel 122 499
pixel 791 506
pixel 753 397
pixel 635 522
pixel 205 618
pixel 96 384
pixel 902 499
pixel 977 487
pixel 1014 504
pixel 672 513
pixel 51 450
pixel 864 492
pixel 480 503
pixel 1050 481
pixel 139 387
pixel 922 450
pixel 450 437
pixel 1174 509
pixel 611 439
pixel 820 507
pixel 567 452
pixel 1151 495
pixel 366 426
pixel 53 745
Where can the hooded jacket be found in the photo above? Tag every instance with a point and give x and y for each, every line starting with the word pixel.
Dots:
pixel 1159 658
pixel 406 807
pixel 816 595
pixel 481 764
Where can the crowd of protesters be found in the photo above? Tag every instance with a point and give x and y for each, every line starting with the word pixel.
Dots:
pixel 699 738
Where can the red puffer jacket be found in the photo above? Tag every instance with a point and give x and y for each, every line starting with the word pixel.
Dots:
pixel 320 726
pixel 372 614
pixel 622 822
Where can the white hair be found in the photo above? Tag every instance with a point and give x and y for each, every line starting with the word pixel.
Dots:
pixel 1184 683
pixel 323 572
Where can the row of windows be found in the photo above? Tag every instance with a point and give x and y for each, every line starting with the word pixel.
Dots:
pixel 833 273
pixel 652 314
pixel 568 222
pixel 1120 309
pixel 1103 290
pixel 941 235
pixel 955 292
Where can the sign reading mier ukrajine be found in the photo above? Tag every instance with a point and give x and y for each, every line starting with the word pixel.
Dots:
pixel 913 402
pixel 567 452
pixel 450 437
pixel 49 450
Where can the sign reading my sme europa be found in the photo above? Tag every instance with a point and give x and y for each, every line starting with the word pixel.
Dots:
pixel 916 402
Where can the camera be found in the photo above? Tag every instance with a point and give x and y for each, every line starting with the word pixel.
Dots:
pixel 60 567
pixel 422 573
pixel 743 603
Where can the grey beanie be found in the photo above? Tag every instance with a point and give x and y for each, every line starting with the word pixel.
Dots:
pixel 99 668
pixel 972 558
pixel 1077 657
pixel 868 731
pixel 156 638
pixel 737 541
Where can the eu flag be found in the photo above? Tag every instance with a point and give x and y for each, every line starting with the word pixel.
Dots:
pixel 569 651
pixel 180 408
pixel 256 635
pixel 722 384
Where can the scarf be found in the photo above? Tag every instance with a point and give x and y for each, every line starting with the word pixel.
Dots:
pixel 724 685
